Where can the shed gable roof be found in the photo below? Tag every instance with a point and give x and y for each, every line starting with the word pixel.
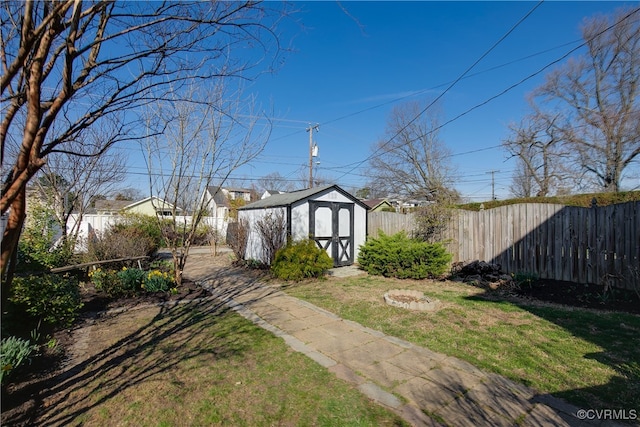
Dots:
pixel 287 199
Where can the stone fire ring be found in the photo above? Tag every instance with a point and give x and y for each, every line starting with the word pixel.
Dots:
pixel 411 300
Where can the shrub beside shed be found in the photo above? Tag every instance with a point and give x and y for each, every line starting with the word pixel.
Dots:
pixel 333 218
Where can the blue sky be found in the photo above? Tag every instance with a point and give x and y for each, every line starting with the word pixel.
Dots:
pixel 354 61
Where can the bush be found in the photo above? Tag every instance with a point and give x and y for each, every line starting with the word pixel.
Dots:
pixel 36 249
pixel 301 260
pixel 125 282
pixel 107 281
pixel 174 234
pixel 237 237
pixel 165 266
pixel 13 352
pixel 402 257
pixel 136 235
pixel 130 281
pixel 50 298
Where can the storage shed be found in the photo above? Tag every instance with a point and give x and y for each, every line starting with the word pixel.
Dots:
pixel 330 216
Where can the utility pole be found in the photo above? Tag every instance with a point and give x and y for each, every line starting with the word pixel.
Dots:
pixel 310 130
pixel 493 184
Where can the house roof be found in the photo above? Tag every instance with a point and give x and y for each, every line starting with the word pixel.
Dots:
pixel 111 205
pixel 374 203
pixel 157 202
pixel 237 189
pixel 287 199
pixel 117 205
pixel 218 196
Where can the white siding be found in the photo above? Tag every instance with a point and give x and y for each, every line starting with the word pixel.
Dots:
pixel 359 228
pixel 254 242
pixel 300 220
pixel 333 196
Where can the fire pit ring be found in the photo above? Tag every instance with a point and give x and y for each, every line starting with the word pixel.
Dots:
pixel 411 300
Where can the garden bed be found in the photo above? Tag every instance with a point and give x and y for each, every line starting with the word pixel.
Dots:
pixel 95 301
pixel 580 295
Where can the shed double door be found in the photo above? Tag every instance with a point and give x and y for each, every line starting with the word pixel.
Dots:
pixel 331 226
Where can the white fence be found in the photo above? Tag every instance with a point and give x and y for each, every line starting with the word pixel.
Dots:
pixel 98 224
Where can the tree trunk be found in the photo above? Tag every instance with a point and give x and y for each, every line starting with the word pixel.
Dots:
pixel 178 266
pixel 10 239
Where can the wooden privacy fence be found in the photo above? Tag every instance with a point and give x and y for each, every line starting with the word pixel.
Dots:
pixel 389 223
pixel 584 245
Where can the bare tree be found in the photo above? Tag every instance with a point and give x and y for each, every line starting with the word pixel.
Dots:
pixel 272 230
pixel 522 183
pixel 203 142
pixel 412 161
pixel 598 97
pixel 538 148
pixel 128 193
pixel 238 236
pixel 275 181
pixel 69 65
pixel 70 182
pixel 302 179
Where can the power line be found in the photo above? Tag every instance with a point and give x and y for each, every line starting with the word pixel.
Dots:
pixel 418 92
pixel 491 98
pixel 451 85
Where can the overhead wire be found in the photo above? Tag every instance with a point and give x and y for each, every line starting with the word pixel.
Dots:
pixel 511 87
pixel 460 77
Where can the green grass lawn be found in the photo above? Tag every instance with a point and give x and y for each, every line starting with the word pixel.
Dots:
pixel 589 358
pixel 194 366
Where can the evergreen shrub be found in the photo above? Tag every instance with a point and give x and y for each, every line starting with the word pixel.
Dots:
pixel 108 281
pixel 51 298
pixel 404 258
pixel 37 248
pixel 301 260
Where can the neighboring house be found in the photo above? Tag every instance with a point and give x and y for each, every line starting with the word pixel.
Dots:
pixel 269 193
pixel 150 206
pixel 378 205
pixel 403 205
pixel 333 218
pixel 238 193
pixel 218 201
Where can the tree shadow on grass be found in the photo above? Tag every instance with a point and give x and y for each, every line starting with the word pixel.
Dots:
pixel 136 346
pixel 616 333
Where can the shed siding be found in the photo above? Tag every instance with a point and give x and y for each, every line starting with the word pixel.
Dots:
pixel 254 242
pixel 333 196
pixel 359 228
pixel 300 220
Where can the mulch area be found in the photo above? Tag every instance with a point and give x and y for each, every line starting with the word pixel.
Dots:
pixel 581 295
pixel 97 301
